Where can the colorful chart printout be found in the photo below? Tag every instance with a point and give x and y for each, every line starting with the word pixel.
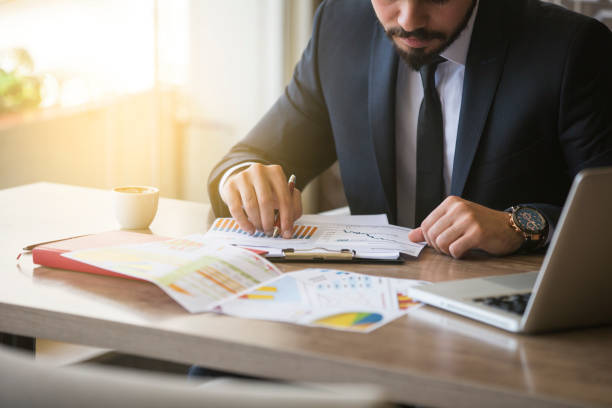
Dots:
pixel 229 225
pixel 328 298
pixel 203 275
pixel 367 241
pixel 359 321
pixel 198 275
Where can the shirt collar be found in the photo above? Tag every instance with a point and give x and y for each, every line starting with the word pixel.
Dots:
pixel 458 50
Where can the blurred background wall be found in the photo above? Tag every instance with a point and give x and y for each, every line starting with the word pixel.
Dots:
pixel 102 93
pixel 108 92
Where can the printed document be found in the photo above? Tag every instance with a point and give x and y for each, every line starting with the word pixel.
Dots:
pixel 197 274
pixel 204 275
pixel 329 298
pixel 367 241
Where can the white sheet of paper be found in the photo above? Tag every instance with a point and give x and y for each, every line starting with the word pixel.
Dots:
pixel 364 239
pixel 330 298
pixel 369 219
pixel 196 274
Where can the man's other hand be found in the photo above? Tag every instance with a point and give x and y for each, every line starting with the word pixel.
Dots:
pixel 458 225
pixel 254 193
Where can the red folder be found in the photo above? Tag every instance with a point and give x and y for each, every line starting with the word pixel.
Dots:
pixel 50 254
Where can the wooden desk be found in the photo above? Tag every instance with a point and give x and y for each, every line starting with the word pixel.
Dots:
pixel 429 357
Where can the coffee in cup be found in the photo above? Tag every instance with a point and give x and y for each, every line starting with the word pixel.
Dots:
pixel 135 206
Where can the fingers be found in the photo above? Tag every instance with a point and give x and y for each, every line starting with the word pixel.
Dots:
pixel 432 219
pixel 457 226
pixel 434 225
pixel 250 204
pixel 234 204
pixel 265 181
pixel 459 247
pixel 449 235
pixel 266 205
pixel 253 194
pixel 452 227
pixel 416 235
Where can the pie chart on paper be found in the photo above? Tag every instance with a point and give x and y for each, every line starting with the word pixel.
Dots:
pixel 359 321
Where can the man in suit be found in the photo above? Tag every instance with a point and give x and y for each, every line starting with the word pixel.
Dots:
pixel 475 150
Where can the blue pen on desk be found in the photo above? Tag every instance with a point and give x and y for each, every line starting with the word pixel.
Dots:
pixel 291 184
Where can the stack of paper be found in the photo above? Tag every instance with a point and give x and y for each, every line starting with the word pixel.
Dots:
pixel 202 275
pixel 369 237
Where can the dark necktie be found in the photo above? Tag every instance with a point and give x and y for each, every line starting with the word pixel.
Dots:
pixel 430 146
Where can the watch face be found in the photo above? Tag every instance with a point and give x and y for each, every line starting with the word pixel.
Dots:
pixel 530 220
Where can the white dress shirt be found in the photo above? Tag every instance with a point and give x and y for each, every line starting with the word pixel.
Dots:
pixel 409 94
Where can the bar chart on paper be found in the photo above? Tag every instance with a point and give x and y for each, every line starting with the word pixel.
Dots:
pixel 366 241
pixel 195 274
pixel 229 225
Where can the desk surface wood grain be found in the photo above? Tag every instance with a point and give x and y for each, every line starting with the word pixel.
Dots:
pixel 429 357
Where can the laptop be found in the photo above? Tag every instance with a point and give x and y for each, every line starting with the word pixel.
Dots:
pixel 573 288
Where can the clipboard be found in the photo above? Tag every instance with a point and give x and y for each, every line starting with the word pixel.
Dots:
pixel 327 256
pixel 316 241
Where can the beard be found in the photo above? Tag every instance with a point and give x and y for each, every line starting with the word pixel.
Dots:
pixel 418 57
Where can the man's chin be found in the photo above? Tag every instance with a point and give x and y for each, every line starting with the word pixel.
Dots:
pixel 417 57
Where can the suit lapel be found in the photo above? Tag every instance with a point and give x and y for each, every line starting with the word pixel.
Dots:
pixel 483 69
pixel 381 109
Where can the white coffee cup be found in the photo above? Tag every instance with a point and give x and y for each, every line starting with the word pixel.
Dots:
pixel 135 206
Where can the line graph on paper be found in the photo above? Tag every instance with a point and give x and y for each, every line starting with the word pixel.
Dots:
pixel 355 234
pixel 365 239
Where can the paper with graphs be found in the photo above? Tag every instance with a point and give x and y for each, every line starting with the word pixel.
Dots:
pixel 328 298
pixel 198 274
pixel 204 275
pixel 367 241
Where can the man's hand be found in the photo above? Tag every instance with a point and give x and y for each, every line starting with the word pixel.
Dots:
pixel 458 225
pixel 254 193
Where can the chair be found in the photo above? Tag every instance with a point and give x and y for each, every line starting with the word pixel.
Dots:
pixel 26 383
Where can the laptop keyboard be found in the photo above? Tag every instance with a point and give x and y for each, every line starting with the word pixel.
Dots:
pixel 511 303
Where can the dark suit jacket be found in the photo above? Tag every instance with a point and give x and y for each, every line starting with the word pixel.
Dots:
pixel 536 108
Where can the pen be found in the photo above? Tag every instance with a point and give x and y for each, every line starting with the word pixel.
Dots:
pixel 291 184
